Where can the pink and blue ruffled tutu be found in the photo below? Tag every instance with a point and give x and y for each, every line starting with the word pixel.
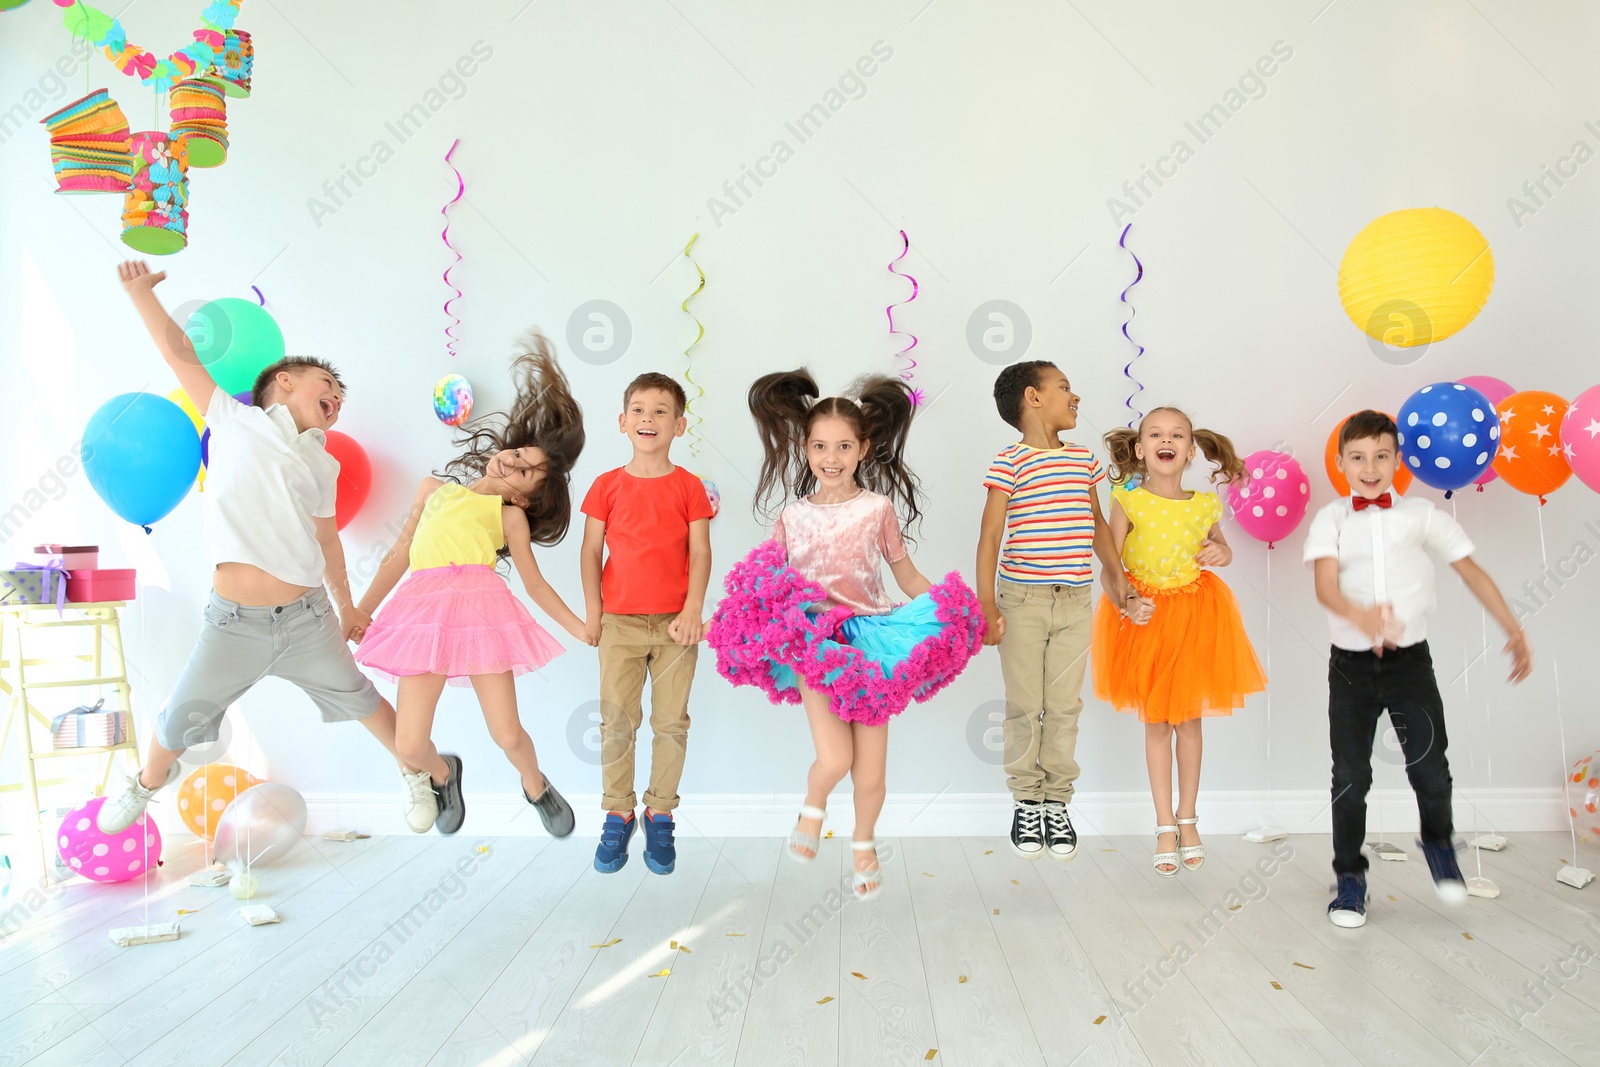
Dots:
pixel 768 633
pixel 455 621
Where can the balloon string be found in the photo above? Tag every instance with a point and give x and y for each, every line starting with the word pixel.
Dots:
pixel 1269 689
pixel 907 372
pixel 700 331
pixel 461 191
pixel 1561 726
pixel 1127 368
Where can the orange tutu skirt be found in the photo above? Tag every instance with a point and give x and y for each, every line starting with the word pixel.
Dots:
pixel 1192 658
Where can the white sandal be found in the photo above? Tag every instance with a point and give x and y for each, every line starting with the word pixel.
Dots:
pixel 1193 857
pixel 1168 858
pixel 873 876
pixel 799 839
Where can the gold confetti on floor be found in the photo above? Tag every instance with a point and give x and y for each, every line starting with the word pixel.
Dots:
pixel 859 975
pixel 1466 935
pixel 662 973
pixel 932 1052
pixel 1275 985
pixel 1393 897
pixel 672 944
pixel 1108 850
pixel 1236 907
pixel 828 836
pixel 685 948
pixel 1100 1020
pixel 925 874
pixel 608 944
pixel 962 980
pixel 997 911
pixel 1307 966
pixel 733 935
pixel 187 911
pixel 824 1000
pixel 1015 882
pixel 988 852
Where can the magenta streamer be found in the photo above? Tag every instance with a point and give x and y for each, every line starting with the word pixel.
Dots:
pixel 1127 369
pixel 461 190
pixel 906 373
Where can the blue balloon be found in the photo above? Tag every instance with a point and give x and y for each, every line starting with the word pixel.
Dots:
pixel 1449 434
pixel 142 455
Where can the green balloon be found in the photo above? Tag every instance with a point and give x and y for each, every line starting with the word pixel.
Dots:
pixel 7 5
pixel 235 341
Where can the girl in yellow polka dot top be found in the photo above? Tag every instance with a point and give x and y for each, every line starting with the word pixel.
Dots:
pixel 1176 650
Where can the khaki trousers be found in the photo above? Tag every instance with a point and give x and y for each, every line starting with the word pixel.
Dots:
pixel 1043 658
pixel 631 647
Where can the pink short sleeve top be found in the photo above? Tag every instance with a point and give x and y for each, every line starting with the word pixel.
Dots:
pixel 843 548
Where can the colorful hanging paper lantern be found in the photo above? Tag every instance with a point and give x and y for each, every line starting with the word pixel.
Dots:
pixel 1416 276
pixel 89 146
pixel 155 216
pixel 234 62
pixel 200 121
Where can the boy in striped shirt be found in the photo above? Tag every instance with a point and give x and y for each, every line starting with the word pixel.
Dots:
pixel 1043 506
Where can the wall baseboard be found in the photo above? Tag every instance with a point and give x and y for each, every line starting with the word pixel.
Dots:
pixel 1392 811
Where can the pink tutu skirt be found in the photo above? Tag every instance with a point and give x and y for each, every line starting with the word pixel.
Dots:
pixel 455 621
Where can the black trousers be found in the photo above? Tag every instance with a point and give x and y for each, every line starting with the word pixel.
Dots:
pixel 1361 686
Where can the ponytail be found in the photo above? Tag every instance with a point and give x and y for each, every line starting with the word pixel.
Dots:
pixel 779 403
pixel 886 413
pixel 1219 450
pixel 1123 461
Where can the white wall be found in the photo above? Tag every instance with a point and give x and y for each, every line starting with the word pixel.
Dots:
pixel 591 142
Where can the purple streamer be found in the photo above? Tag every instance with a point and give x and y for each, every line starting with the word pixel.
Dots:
pixel 1127 369
pixel 461 190
pixel 259 296
pixel 906 373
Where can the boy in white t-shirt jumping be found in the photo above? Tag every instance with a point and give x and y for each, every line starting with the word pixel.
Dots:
pixel 273 543
pixel 1375 577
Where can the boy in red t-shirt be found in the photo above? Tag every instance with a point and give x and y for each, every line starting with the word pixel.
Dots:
pixel 651 524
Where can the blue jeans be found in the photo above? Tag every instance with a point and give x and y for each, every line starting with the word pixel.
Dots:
pixel 1361 686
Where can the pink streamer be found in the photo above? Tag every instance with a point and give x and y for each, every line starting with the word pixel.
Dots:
pixel 461 190
pixel 908 372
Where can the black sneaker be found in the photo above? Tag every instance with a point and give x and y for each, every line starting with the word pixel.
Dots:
pixel 554 811
pixel 1059 835
pixel 452 809
pixel 1027 831
pixel 1447 881
pixel 1349 907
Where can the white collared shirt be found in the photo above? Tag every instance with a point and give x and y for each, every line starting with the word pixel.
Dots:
pixel 1383 559
pixel 265 484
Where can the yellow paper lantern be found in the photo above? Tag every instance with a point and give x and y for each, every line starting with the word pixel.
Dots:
pixel 1416 276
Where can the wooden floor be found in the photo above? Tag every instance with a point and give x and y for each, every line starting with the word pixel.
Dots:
pixel 427 950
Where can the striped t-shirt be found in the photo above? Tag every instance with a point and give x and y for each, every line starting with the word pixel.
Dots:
pixel 1049 527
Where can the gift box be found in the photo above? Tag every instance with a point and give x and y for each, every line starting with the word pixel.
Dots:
pixel 72 557
pixel 33 583
pixel 91 586
pixel 91 727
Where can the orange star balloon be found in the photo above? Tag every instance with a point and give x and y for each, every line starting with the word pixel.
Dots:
pixel 1531 459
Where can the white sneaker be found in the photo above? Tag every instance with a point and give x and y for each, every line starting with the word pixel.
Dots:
pixel 422 807
pixel 123 810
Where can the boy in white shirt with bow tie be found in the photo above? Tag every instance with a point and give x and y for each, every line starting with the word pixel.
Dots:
pixel 1374 575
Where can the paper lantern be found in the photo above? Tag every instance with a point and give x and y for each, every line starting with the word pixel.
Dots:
pixel 200 120
pixel 155 216
pixel 1416 276
pixel 1531 458
pixel 90 148
pixel 235 62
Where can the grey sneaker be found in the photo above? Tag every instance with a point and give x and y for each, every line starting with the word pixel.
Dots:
pixel 553 809
pixel 452 809
pixel 123 810
pixel 422 807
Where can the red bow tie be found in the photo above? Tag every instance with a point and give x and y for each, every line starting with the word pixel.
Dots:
pixel 1384 501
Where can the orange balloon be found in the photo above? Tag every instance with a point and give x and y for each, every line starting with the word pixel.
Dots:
pixel 205 793
pixel 1531 459
pixel 1341 484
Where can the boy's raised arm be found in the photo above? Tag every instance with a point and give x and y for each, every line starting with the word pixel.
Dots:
pixel 174 344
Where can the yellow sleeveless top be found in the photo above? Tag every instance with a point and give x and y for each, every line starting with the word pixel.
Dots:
pixel 1159 551
pixel 459 527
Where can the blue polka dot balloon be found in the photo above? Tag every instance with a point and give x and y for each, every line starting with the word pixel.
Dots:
pixel 1449 434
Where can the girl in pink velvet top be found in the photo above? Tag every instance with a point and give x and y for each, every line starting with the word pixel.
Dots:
pixel 807 618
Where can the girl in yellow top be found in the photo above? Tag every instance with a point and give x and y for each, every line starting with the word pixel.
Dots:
pixel 1177 649
pixel 454 618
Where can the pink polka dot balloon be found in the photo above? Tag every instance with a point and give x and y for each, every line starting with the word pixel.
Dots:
pixel 1272 499
pixel 107 857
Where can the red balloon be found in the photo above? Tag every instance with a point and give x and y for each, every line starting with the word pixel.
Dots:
pixel 355 476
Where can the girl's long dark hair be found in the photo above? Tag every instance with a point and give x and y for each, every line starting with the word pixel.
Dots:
pixel 785 406
pixel 544 416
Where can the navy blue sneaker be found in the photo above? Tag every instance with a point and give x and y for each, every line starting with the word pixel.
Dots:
pixel 1447 881
pixel 660 854
pixel 1349 907
pixel 612 852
